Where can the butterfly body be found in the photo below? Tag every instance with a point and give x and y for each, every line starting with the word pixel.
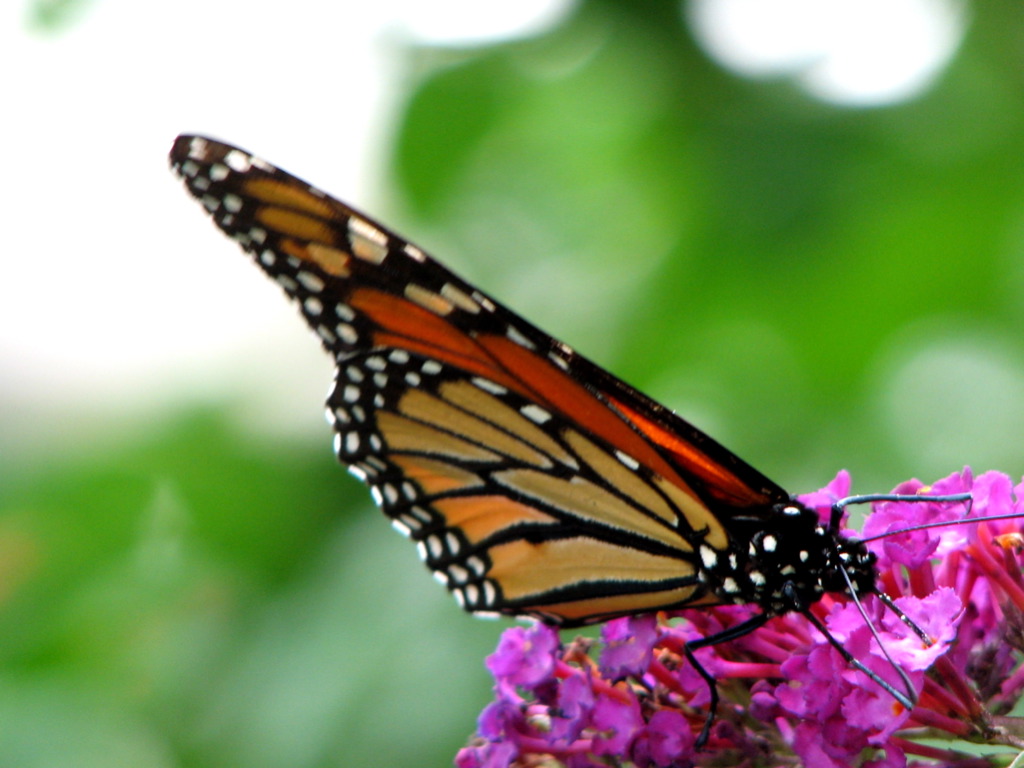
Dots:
pixel 793 560
pixel 532 481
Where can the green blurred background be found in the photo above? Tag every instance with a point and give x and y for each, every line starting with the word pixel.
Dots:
pixel 818 286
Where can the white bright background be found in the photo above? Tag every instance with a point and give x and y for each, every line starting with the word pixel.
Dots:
pixel 116 292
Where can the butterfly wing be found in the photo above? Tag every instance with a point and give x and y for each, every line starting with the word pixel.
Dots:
pixel 533 481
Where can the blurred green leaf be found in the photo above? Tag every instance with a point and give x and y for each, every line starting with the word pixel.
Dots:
pixel 51 16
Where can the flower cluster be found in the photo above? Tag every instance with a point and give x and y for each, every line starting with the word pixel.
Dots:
pixel 787 695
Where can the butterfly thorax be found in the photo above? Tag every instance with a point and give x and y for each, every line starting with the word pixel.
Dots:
pixel 786 562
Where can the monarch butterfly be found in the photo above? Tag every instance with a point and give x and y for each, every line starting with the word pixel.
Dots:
pixel 533 482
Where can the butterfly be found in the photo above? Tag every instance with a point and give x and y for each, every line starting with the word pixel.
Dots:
pixel 533 482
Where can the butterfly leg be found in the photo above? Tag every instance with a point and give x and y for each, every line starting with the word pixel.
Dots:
pixel 744 628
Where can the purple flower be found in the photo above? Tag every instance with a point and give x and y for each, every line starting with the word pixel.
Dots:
pixel 616 722
pixel 667 738
pixel 488 755
pixel 788 697
pixel 627 645
pixel 574 708
pixel 525 656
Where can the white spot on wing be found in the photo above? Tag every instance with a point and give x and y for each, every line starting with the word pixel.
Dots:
pixel 514 334
pixel 368 242
pixel 198 147
pixel 414 253
pixel 347 333
pixel 422 514
pixel 312 282
pixel 490 594
pixel 459 298
pixel 435 547
pixel 628 460
pixel 238 160
pixel 557 360
pixel 483 301
pixel 287 283
pixel 489 386
pixel 535 413
pixel 410 522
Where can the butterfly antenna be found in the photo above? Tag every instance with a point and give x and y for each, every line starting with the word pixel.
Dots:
pixel 870 498
pixel 943 524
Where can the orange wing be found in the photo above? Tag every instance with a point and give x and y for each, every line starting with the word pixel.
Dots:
pixel 533 481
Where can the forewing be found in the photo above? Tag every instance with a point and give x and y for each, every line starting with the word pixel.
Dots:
pixel 533 481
